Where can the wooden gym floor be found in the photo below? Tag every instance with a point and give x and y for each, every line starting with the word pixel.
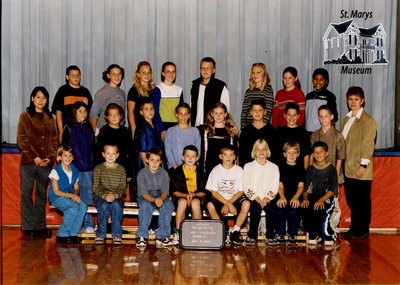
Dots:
pixel 372 261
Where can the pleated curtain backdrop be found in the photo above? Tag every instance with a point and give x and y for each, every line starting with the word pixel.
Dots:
pixel 40 38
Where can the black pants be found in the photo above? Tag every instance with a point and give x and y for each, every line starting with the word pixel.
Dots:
pixel 358 198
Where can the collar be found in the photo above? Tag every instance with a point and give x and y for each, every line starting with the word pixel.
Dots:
pixel 358 115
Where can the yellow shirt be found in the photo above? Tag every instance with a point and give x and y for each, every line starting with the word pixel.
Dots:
pixel 191 181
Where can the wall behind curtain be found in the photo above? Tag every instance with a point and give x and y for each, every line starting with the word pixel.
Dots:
pixel 40 38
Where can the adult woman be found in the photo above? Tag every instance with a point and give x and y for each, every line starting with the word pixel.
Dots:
pixel 359 130
pixel 259 89
pixel 37 140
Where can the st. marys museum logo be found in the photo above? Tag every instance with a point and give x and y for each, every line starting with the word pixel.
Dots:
pixel 345 43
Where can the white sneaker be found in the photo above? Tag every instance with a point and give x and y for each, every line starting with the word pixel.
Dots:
pixel 163 242
pixel 89 230
pixel 175 241
pixel 329 242
pixel 140 242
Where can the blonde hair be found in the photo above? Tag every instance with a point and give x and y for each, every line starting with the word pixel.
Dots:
pixel 230 125
pixel 260 142
pixel 291 144
pixel 266 79
pixel 143 90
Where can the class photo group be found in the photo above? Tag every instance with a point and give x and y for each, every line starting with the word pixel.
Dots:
pixel 278 169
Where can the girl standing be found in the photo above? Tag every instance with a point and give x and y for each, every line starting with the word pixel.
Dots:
pixel 110 93
pixel 290 93
pixel 219 131
pixel 37 140
pixel 259 89
pixel 142 88
pixel 320 96
pixel 167 95
pixel 80 137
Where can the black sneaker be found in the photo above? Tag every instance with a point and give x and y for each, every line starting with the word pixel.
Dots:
pixel 62 239
pixel 280 239
pixel 235 238
pixel 292 240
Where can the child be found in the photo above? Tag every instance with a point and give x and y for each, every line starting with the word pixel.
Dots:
pixel 37 158
pixel 291 187
pixel 109 184
pixel 110 93
pixel 142 89
pixel 332 137
pixel 260 184
pixel 321 185
pixel 206 91
pixel 320 96
pixel 180 136
pixel 187 186
pixel 226 186
pixel 257 129
pixel 167 95
pixel 153 192
pixel 219 131
pixel 290 93
pixel 259 89
pixel 67 95
pixel 114 133
pixel 80 137
pixel 64 195
pixel 292 132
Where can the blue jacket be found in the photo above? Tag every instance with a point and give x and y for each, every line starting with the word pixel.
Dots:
pixel 80 138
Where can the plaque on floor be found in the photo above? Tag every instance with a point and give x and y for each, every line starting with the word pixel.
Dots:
pixel 202 234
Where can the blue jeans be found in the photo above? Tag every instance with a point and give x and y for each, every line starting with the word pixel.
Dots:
pixel 86 194
pixel 146 210
pixel 292 216
pixel 105 209
pixel 33 214
pixel 73 216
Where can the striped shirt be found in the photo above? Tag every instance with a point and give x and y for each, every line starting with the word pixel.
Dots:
pixel 109 180
pixel 267 95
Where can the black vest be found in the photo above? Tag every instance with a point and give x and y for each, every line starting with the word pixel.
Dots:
pixel 212 95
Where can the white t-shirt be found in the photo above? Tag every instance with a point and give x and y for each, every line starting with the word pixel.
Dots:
pixel 227 182
pixel 53 174
pixel 200 103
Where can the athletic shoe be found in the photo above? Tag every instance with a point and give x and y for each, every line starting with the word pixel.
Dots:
pixel 314 240
pixel 175 241
pixel 117 240
pixel 99 240
pixel 280 239
pixel 250 241
pixel 329 242
pixel 89 230
pixel 73 239
pixel 360 236
pixel 272 241
pixel 235 238
pixel 140 242
pixel 43 233
pixel 163 242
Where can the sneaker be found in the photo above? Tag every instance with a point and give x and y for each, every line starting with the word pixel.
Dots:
pixel 99 240
pixel 292 240
pixel 175 241
pixel 235 238
pixel 152 231
pixel 250 241
pixel 272 241
pixel 163 242
pixel 89 230
pixel 314 239
pixel 329 242
pixel 117 240
pixel 140 242
pixel 280 239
